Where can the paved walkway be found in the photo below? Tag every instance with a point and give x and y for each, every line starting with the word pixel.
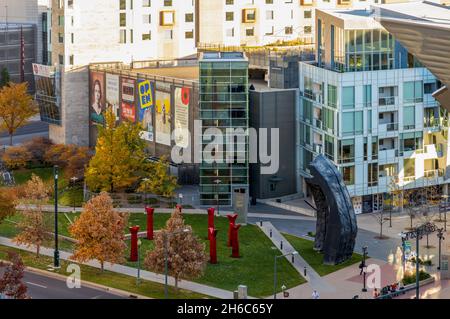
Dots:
pixel 313 278
pixel 130 271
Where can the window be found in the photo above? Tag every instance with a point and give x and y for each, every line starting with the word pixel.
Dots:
pixel 229 2
pixel 230 32
pixel 189 17
pixel 332 96
pixel 72 38
pixel 307 29
pixel 60 37
pixel 269 30
pixel 307 14
pixel 352 123
pixel 369 121
pixel 147 18
pixel 413 92
pixel 60 20
pixel 189 34
pixel 346 151
pixel 123 4
pixel 348 175
pixel 269 1
pixel 249 15
pixel 269 14
pixel 131 36
pixel 167 3
pixel 367 95
pixel 272 187
pixel 429 88
pixel 250 32
pixel 61 59
pixel 123 36
pixel 288 30
pixel 409 119
pixel 131 4
pixel 147 36
pixel 372 174
pixel 167 18
pixel 146 3
pixel 229 16
pixel 409 167
pixel 71 59
pixel 70 4
pixel 348 97
pixel 411 141
pixel 123 19
pixel 168 34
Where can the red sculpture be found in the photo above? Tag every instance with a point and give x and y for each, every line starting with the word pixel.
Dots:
pixel 235 241
pixel 212 234
pixel 210 219
pixel 134 245
pixel 232 219
pixel 150 212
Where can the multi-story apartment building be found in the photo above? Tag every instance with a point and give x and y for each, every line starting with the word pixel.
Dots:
pixel 223 106
pixel 366 104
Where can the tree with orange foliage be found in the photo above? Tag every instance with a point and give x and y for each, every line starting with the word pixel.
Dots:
pixel 8 201
pixel 100 231
pixel 16 107
pixel 16 157
pixel 34 228
pixel 186 256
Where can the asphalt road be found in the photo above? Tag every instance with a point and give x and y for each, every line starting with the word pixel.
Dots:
pixel 44 287
pixel 27 132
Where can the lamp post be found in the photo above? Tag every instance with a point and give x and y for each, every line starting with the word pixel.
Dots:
pixel 293 253
pixel 56 252
pixel 440 234
pixel 364 268
pixel 217 182
pixel 180 196
pixel 166 257
pixel 73 180
pixel 139 243
pixel 403 237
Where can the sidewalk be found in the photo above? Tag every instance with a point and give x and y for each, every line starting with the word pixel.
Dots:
pixel 130 271
pixel 315 282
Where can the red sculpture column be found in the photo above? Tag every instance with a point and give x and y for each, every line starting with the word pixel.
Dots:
pixel 212 233
pixel 150 212
pixel 210 220
pixel 235 241
pixel 232 219
pixel 134 239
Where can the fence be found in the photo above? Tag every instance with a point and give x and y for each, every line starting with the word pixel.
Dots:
pixel 121 200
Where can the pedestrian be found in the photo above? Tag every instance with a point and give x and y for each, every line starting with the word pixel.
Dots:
pixel 315 295
pixel 375 293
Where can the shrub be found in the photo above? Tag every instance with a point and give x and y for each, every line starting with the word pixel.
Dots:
pixel 16 157
pixel 37 147
pixel 410 278
pixel 72 158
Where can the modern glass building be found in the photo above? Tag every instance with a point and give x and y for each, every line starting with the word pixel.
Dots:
pixel 367 104
pixel 223 109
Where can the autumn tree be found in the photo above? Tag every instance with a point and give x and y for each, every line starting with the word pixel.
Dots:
pixel 99 231
pixel 158 179
pixel 37 147
pixel 16 107
pixel 11 284
pixel 185 253
pixel 34 230
pixel 16 157
pixel 119 156
pixel 7 203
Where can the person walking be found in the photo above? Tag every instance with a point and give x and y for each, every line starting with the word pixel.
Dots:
pixel 315 295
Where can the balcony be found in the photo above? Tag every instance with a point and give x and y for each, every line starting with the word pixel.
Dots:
pixel 386 101
pixel 433 151
pixel 387 155
pixel 317 148
pixel 434 173
pixel 387 127
pixel 317 123
pixel 432 124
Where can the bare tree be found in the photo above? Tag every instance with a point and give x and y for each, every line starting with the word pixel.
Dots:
pixel 381 219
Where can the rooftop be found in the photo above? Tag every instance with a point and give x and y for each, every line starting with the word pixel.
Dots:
pixel 178 72
pixel 223 56
pixel 352 18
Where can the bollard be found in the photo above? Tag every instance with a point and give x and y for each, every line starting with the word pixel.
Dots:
pixel 149 212
pixel 134 246
pixel 281 245
pixel 260 223
pixel 242 292
pixel 232 222
pixel 210 220
pixel 212 245
pixel 304 271
pixel 235 241
pixel 270 233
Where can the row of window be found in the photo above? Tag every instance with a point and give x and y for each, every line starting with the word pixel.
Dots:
pixel 145 4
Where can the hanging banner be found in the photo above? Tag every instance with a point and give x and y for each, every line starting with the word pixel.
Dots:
pixel 112 94
pixel 97 98
pixel 146 106
pixel 181 129
pixel 128 112
pixel 128 90
pixel 163 117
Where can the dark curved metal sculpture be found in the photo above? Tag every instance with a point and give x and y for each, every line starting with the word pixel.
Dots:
pixel 336 226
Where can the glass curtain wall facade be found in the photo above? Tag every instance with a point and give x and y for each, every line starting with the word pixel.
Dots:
pixel 223 106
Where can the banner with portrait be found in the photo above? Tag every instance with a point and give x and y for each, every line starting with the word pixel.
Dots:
pixel 146 106
pixel 97 105
pixel 163 117
pixel 181 129
pixel 112 94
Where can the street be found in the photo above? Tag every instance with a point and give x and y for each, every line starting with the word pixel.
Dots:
pixel 46 287
pixel 25 133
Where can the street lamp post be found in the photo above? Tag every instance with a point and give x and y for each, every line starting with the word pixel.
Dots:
pixel 364 268
pixel 293 253
pixel 440 234
pixel 166 257
pixel 56 252
pixel 138 263
pixel 217 182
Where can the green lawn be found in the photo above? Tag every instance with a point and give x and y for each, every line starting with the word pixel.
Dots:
pixel 107 278
pixel 314 258
pixel 21 176
pixel 254 268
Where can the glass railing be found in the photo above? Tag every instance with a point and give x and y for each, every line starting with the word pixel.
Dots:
pixel 384 101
